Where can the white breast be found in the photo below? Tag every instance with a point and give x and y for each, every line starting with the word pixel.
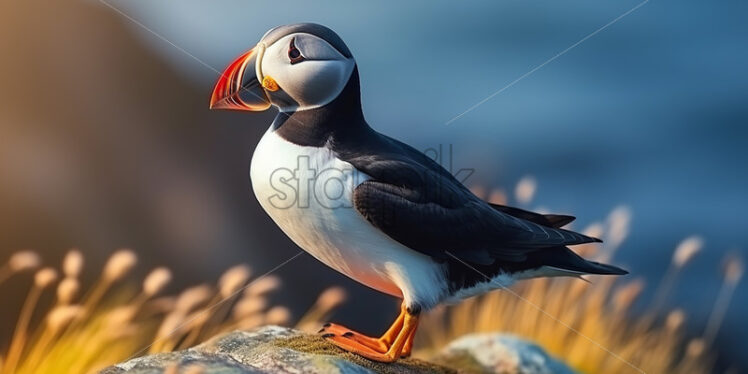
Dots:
pixel 308 191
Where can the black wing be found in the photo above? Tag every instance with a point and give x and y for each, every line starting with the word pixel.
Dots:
pixel 419 204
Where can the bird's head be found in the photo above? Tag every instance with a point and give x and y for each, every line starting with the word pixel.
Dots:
pixel 294 67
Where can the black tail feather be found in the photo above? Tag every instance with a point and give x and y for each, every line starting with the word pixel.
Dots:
pixel 549 220
pixel 563 258
pixel 559 220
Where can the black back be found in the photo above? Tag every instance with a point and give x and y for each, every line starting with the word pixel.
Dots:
pixel 418 203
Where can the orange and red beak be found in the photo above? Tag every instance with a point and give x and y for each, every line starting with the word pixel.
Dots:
pixel 238 87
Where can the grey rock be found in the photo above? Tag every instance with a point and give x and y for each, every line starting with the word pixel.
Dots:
pixel 501 354
pixel 270 349
pixel 274 349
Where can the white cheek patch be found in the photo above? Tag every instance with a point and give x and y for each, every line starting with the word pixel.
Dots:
pixel 316 83
pixel 311 83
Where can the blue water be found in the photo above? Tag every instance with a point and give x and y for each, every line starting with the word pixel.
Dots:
pixel 650 112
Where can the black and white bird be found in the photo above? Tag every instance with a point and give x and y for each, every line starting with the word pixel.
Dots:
pixel 372 207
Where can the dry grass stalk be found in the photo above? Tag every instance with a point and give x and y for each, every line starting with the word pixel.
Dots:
pixel 42 279
pixel 675 320
pixel 278 315
pixel 155 281
pixel 24 260
pixel 525 190
pixel 683 253
pixel 619 221
pixel 67 290
pixel 732 271
pixel 110 325
pixel 60 316
pixel 262 286
pixel 686 250
pixel 72 264
pixel 119 264
pixel 18 262
pixel 232 280
pixel 249 306
pixel 327 301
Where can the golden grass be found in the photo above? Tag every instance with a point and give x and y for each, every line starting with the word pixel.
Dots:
pixel 114 320
pixel 586 325
pixel 589 324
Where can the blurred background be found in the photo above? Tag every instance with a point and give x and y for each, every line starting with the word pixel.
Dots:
pixel 106 140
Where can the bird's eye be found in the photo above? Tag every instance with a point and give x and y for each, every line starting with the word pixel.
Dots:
pixel 293 53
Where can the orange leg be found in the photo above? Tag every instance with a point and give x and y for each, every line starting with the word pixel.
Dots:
pixel 381 344
pixel 408 348
pixel 395 349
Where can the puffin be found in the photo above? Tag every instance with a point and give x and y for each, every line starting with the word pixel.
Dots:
pixel 370 206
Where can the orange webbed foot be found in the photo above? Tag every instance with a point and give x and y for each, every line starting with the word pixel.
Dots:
pixel 397 342
pixel 350 345
pixel 375 344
